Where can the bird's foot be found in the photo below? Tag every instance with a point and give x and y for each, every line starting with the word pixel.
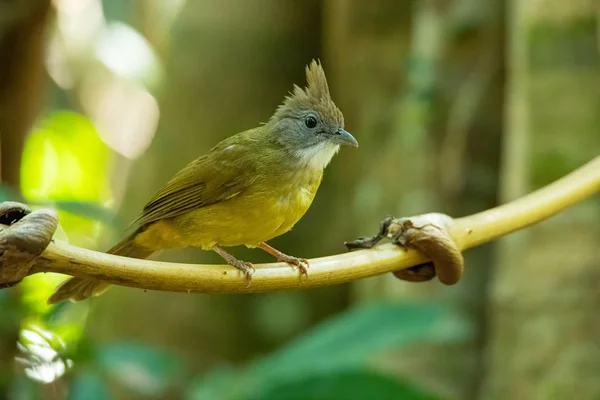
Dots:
pixel 297 263
pixel 244 266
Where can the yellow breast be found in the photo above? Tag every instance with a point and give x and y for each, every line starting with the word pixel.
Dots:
pixel 293 206
pixel 255 215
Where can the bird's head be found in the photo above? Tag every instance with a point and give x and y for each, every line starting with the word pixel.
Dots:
pixel 309 124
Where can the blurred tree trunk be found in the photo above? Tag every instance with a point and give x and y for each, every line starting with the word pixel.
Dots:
pixel 22 28
pixel 397 64
pixel 544 340
pixel 230 64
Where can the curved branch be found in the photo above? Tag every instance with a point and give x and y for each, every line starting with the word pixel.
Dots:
pixel 467 232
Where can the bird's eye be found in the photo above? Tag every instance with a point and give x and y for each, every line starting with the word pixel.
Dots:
pixel 310 122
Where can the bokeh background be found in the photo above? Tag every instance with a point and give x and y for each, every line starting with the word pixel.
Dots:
pixel 458 105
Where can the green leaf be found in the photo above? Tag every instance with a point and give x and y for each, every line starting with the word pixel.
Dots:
pixel 35 292
pixel 64 159
pixel 345 385
pixel 350 338
pixel 141 369
pixel 347 341
pixel 87 386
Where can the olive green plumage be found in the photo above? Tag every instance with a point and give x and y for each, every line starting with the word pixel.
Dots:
pixel 246 190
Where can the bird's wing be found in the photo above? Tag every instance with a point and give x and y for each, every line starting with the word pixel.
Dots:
pixel 215 177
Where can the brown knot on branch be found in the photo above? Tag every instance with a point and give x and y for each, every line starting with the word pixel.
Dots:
pixel 24 235
pixel 428 233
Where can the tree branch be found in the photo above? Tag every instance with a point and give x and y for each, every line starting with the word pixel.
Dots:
pixel 467 232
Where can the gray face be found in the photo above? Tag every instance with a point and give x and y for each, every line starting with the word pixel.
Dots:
pixel 307 129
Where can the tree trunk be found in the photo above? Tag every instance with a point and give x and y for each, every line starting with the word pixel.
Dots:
pixel 22 28
pixel 21 80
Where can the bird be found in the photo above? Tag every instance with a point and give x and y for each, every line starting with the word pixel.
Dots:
pixel 248 189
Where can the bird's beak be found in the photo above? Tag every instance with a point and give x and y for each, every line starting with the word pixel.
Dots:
pixel 345 138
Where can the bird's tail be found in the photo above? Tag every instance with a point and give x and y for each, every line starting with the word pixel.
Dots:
pixel 77 289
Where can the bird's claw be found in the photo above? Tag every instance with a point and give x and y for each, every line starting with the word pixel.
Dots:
pixel 367 242
pixel 300 264
pixel 248 271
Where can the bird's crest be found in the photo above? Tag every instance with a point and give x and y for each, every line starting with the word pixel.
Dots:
pixel 317 82
pixel 314 96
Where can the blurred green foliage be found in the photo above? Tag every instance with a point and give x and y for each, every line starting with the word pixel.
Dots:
pixel 65 166
pixel 65 162
pixel 346 385
pixel 334 351
pixel 332 361
pixel 88 386
pixel 329 362
pixel 64 158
